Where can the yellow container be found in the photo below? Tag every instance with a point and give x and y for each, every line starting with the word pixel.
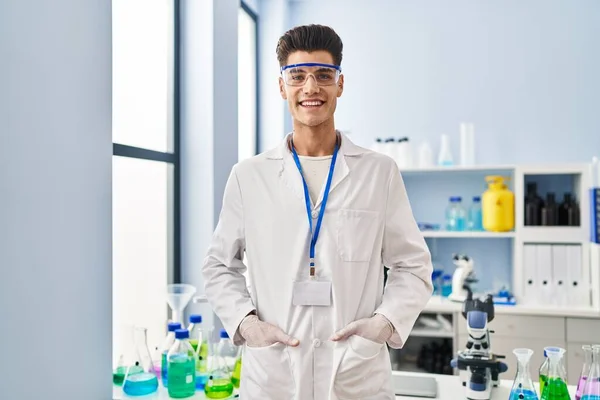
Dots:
pixel 498 206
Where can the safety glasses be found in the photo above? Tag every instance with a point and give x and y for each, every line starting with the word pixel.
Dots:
pixel 323 74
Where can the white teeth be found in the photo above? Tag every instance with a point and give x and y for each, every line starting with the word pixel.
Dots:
pixel 312 103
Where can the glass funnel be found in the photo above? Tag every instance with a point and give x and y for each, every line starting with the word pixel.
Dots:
pixel 140 378
pixel 556 386
pixel 178 297
pixel 591 390
pixel 585 370
pixel 523 388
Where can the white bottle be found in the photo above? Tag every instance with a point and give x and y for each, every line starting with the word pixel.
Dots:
pixel 403 154
pixel 467 144
pixel 425 155
pixel 377 145
pixel 445 155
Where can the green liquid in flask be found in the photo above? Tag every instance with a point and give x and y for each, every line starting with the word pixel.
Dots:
pixel 119 373
pixel 203 355
pixel 237 372
pixel 182 377
pixel 555 389
pixel 543 380
pixel 218 388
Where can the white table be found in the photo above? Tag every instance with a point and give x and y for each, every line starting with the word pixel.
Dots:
pixel 448 388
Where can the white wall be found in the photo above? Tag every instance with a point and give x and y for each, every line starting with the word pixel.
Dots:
pixel 526 73
pixel 208 126
pixel 55 199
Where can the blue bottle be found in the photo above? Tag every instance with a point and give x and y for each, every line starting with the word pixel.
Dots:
pixel 455 215
pixel 475 222
pixel 446 285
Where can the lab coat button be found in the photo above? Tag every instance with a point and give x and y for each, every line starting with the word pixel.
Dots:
pixel 315 214
pixel 316 342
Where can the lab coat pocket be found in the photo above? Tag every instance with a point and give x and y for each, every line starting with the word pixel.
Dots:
pixel 267 373
pixel 357 231
pixel 361 372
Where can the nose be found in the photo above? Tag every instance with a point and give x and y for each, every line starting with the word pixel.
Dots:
pixel 310 86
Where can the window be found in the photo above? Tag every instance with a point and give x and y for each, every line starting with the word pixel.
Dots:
pixel 145 166
pixel 247 82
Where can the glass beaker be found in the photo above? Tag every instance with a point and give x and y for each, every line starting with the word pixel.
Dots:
pixel 125 343
pixel 556 385
pixel 145 381
pixel 219 385
pixel 585 370
pixel 523 388
pixel 591 390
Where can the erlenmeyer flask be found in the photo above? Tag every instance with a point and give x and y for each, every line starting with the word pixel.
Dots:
pixel 202 338
pixel 136 382
pixel 591 390
pixel 556 386
pixel 236 374
pixel 585 370
pixel 523 388
pixel 126 345
pixel 219 383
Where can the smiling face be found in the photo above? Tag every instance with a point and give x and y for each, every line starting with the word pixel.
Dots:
pixel 311 104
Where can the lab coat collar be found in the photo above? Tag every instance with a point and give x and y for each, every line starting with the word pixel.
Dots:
pixel 289 171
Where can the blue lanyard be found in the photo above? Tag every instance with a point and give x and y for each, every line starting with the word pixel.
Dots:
pixel 315 235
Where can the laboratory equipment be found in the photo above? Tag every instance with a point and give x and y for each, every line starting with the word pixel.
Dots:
pixel 164 350
pixel 585 370
pixel 445 155
pixel 568 211
pixel 550 211
pixel 182 366
pixel 425 155
pixel 145 381
pixel 463 276
pixel 227 350
pixel 236 374
pixel 479 368
pixel 591 390
pixel 199 341
pixel 377 145
pixel 533 206
pixel 455 215
pixel 127 357
pixel 475 221
pixel 522 388
pixel 414 386
pixel 467 144
pixel 555 387
pixel 178 297
pixel 498 205
pixel 219 383
pixel 446 285
pixel 436 279
pixel 404 153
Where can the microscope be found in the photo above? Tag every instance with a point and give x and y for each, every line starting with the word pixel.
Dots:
pixel 463 275
pixel 479 368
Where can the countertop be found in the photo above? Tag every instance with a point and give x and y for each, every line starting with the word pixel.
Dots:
pixel 438 304
pixel 448 388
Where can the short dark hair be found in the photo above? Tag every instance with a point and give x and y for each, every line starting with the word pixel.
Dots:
pixel 309 38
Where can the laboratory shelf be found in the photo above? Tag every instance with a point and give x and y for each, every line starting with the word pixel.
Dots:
pixel 468 234
pixel 553 234
pixel 431 333
pixel 477 169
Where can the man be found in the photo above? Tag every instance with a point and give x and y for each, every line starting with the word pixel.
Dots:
pixel 317 219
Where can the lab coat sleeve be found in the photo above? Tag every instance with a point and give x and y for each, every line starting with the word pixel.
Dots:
pixel 224 282
pixel 405 253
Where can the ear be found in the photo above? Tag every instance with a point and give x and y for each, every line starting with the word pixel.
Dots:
pixel 282 89
pixel 340 88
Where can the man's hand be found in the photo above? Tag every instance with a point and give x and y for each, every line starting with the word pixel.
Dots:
pixel 262 334
pixel 376 329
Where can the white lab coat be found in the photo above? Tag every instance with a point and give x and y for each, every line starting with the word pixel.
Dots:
pixel 368 223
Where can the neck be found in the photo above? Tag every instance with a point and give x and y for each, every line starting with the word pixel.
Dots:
pixel 314 141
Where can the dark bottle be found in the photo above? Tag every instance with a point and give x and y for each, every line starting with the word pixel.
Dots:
pixel 568 212
pixel 533 206
pixel 550 211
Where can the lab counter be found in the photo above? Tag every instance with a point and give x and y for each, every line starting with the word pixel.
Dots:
pixel 448 388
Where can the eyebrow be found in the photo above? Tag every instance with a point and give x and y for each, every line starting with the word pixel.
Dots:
pixel 300 69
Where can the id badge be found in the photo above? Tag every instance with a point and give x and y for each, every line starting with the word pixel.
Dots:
pixel 312 293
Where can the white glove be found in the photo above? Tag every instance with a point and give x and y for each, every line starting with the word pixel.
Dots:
pixel 262 334
pixel 377 329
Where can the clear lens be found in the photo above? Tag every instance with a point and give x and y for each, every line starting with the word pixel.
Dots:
pixel 298 75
